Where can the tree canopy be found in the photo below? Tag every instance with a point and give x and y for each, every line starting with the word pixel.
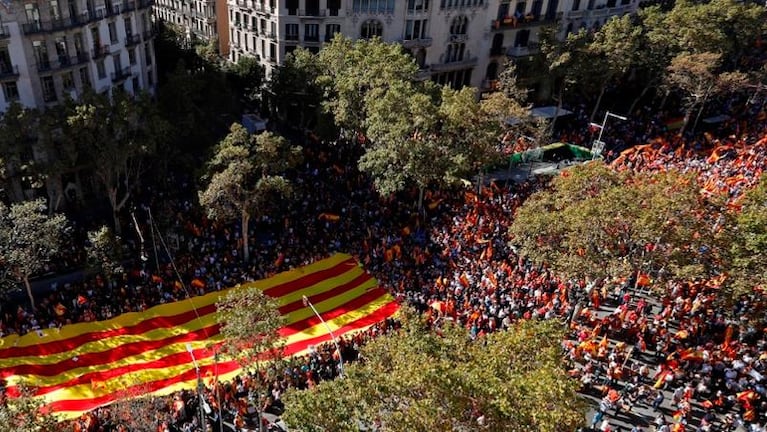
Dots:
pixel 749 241
pixel 419 379
pixel 29 237
pixel 596 223
pixel 246 177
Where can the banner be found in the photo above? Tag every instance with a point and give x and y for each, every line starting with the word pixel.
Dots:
pixel 83 366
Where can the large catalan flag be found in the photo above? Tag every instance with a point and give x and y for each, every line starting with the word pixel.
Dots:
pixel 82 366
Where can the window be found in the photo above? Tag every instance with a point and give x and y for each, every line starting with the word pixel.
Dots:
pixel 416 6
pixel 148 54
pixel 49 89
pixel 85 78
pixel 455 52
pixel 331 30
pixel 128 26
pixel 291 32
pixel 312 32
pixel 96 37
pixel 576 5
pixel 112 32
pixel 10 91
pixel 371 28
pixel 5 61
pixel 117 63
pixel 292 7
pixel 68 81
pixel 458 25
pixel 135 85
pixel 101 69
pixel 272 52
pixel 132 56
pixel 333 7
pixel 41 55
pixel 149 78
pixel 415 29
pixel 374 6
pixel 61 49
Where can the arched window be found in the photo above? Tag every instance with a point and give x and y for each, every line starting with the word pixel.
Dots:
pixel 497 46
pixel 371 28
pixel 458 26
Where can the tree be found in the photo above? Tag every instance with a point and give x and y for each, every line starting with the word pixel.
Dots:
pixel 18 136
pixel 295 90
pixel 250 321
pixel 357 72
pixel 104 251
pixel 123 411
pixel 612 51
pixel 247 76
pixel 25 413
pixel 749 241
pixel 595 223
pixel 423 380
pixel 698 76
pixel 245 177
pixel 118 136
pixel 29 237
pixel 416 139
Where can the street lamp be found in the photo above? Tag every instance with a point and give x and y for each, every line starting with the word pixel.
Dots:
pixel 599 145
pixel 335 341
pixel 199 386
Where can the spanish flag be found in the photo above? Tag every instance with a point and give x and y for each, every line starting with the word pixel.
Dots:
pixel 83 366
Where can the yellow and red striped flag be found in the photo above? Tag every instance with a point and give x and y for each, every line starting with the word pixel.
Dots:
pixel 86 365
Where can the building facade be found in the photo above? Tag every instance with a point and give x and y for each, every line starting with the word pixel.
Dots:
pixel 53 49
pixel 456 42
pixel 203 20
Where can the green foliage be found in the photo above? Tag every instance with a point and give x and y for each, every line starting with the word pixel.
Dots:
pixel 247 77
pixel 18 134
pixel 354 73
pixel 294 86
pixel 596 223
pixel 29 237
pixel 26 413
pixel 419 380
pixel 117 137
pixel 104 251
pixel 245 177
pixel 749 241
pixel 250 321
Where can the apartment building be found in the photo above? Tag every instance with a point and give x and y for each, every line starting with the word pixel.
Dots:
pixel 456 42
pixel 54 49
pixel 203 20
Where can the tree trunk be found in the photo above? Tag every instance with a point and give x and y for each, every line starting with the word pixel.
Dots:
pixel 29 291
pixel 245 240
pixel 663 101
pixel 639 98
pixel 700 111
pixel 687 116
pixel 599 102
pixel 559 108
pixel 420 199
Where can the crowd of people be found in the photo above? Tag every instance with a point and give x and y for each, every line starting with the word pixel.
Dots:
pixel 686 362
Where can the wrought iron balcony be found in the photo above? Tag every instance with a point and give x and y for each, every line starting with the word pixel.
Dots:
pixel 121 75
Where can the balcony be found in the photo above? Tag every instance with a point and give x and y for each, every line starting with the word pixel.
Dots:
pixel 149 34
pixel 527 21
pixel 270 35
pixel 44 66
pixel 100 52
pixel 67 62
pixel 497 51
pixel 454 65
pixel 121 75
pixel 8 72
pixel 132 39
pixel 291 37
pixel 423 74
pixel 523 51
pixel 410 43
pixel 4 32
pixel 312 13
pixel 143 4
pixel 597 13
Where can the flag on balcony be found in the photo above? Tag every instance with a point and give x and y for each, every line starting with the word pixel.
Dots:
pixel 83 366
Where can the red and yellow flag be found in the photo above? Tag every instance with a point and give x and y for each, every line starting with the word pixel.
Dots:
pixel 86 365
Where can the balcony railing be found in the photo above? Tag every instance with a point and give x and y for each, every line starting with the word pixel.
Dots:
pixel 99 52
pixel 149 34
pixel 44 66
pixel 454 65
pixel 4 32
pixel 528 20
pixel 409 43
pixel 121 75
pixel 312 13
pixel 312 39
pixel 523 51
pixel 79 20
pixel 132 39
pixel 9 71
pixel 597 13
pixel 291 37
pixel 66 62
pixel 497 51
pixel 270 35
